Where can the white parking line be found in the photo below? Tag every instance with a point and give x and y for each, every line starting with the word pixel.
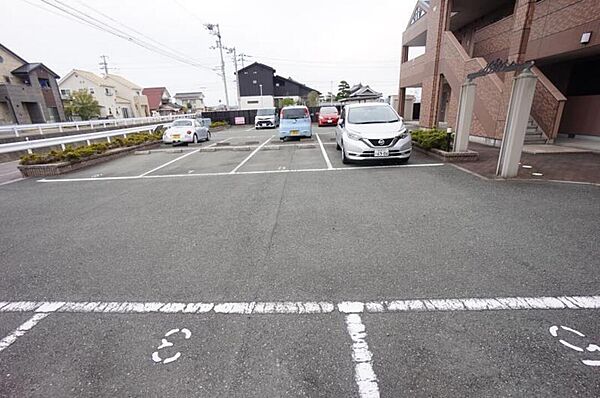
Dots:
pixel 240 173
pixel 179 158
pixel 250 129
pixel 243 162
pixel 364 375
pixel 21 330
pixel 329 166
pixel 311 307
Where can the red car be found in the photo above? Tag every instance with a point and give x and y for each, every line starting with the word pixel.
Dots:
pixel 328 116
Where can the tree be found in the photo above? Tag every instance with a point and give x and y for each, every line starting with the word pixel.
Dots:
pixel 82 104
pixel 343 90
pixel 313 99
pixel 287 102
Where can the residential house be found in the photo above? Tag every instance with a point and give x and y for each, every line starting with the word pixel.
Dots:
pixel 193 101
pixel 159 101
pixel 102 90
pixel 360 93
pixel 28 91
pixel 460 37
pixel 117 96
pixel 129 97
pixel 260 87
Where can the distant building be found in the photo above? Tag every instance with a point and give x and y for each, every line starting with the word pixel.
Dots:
pixel 160 101
pixel 28 91
pixel 117 96
pixel 194 101
pixel 360 93
pixel 260 87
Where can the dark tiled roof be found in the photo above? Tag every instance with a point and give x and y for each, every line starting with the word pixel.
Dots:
pixel 27 68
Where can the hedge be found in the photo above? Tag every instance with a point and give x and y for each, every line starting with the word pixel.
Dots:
pixel 219 124
pixel 428 139
pixel 71 153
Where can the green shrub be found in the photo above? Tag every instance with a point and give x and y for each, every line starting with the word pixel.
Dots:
pixel 219 124
pixel 429 139
pixel 71 153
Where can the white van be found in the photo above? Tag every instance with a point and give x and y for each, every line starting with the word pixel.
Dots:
pixel 266 117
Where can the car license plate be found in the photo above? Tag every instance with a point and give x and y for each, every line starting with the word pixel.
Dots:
pixel 329 120
pixel 294 132
pixel 381 152
pixel 176 136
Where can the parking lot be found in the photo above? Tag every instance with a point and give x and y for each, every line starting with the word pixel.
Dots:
pixel 246 266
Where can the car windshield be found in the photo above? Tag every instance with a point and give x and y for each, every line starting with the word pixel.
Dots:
pixel 181 123
pixel 265 112
pixel 294 113
pixel 328 110
pixel 372 114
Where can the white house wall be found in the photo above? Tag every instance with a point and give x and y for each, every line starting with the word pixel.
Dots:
pixel 255 102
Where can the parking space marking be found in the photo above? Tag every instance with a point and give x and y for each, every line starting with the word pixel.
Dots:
pixel 21 330
pixel 180 157
pixel 327 161
pixel 243 162
pixel 403 166
pixel 364 375
pixel 250 129
pixel 310 307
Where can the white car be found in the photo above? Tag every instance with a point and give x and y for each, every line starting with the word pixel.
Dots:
pixel 185 131
pixel 372 131
pixel 266 117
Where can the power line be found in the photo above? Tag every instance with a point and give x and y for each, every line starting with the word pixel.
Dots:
pixel 105 27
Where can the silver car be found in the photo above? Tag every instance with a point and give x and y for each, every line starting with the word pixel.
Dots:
pixel 183 131
pixel 372 131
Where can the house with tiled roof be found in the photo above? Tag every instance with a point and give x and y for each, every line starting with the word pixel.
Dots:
pixel 28 91
pixel 159 101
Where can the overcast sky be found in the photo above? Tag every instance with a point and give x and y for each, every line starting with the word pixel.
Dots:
pixel 314 42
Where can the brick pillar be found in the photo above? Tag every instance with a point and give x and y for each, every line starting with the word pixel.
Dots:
pixel 519 37
pixel 442 13
pixel 401 100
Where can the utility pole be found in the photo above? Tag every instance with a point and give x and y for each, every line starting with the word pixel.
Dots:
pixel 104 64
pixel 237 80
pixel 214 30
pixel 242 57
pixel 331 91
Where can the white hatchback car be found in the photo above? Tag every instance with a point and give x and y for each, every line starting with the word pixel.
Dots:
pixel 372 131
pixel 185 131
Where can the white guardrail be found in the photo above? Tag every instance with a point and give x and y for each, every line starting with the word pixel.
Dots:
pixel 69 139
pixel 18 129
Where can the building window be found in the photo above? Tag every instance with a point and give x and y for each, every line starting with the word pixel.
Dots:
pixel 253 81
pixel 7 79
pixel 255 72
pixel 245 73
pixel 92 90
pixel 45 83
pixel 1 59
pixel 276 84
pixel 65 92
pixel 107 91
pixel 252 102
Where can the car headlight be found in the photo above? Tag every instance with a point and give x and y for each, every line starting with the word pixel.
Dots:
pixel 354 136
pixel 403 134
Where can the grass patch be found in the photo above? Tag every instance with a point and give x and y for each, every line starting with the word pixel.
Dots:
pixel 73 154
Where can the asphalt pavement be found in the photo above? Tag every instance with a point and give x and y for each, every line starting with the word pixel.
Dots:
pixel 250 267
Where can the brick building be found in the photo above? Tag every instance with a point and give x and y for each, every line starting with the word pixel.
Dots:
pixel 562 37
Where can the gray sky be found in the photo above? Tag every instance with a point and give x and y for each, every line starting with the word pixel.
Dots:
pixel 314 42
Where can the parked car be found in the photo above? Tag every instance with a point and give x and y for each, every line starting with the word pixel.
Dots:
pixel 183 131
pixel 328 116
pixel 294 121
pixel 266 117
pixel 372 131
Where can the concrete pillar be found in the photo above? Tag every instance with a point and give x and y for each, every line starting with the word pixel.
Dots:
pixel 519 109
pixel 465 116
pixel 401 99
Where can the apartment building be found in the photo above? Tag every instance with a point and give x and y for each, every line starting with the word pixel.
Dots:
pixel 448 39
pixel 28 91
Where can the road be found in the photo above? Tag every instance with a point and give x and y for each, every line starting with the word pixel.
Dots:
pixel 250 267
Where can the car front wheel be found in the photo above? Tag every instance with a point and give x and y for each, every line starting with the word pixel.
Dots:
pixel 345 160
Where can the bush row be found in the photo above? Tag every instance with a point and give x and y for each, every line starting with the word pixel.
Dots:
pixel 71 153
pixel 219 124
pixel 428 139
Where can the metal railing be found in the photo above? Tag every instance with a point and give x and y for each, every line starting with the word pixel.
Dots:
pixel 41 128
pixel 69 139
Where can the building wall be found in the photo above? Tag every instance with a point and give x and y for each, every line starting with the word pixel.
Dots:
pixel 252 77
pixel 255 102
pixel 9 64
pixel 108 104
